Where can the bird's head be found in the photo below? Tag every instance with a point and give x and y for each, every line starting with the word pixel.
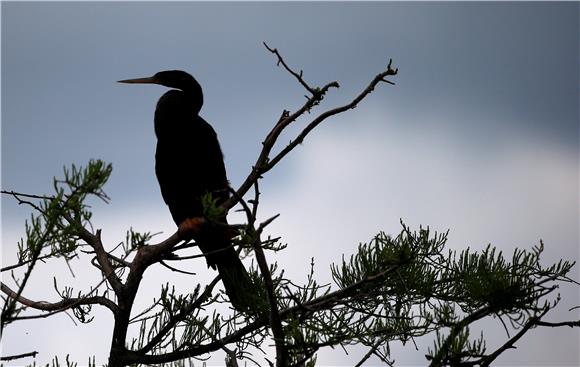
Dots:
pixel 177 79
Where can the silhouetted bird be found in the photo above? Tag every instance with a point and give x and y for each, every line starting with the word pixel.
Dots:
pixel 189 164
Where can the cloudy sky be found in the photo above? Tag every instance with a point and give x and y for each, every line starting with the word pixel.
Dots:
pixel 479 135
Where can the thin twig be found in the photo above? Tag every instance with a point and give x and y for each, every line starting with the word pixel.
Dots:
pixel 371 351
pixel 275 320
pixel 559 324
pixel 323 116
pixel 256 199
pixel 175 269
pixel 298 76
pixel 178 258
pixel 264 163
pixel 58 306
pixel 179 317
pixel 31 196
pixel 267 222
pixel 15 266
pixel 509 344
pixel 245 207
pixel 94 240
pixel 132 320
pixel 18 356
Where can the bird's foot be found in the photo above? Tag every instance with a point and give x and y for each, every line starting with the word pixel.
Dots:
pixel 190 227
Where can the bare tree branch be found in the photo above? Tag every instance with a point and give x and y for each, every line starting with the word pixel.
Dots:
pixel 298 76
pixel 61 305
pixel 18 356
pixel 372 350
pixel 31 196
pixel 16 266
pixel 94 240
pixel 510 343
pixel 275 320
pixel 264 163
pixel 175 269
pixel 300 138
pixel 559 324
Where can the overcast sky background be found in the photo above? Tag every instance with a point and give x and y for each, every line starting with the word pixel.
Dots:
pixel 479 135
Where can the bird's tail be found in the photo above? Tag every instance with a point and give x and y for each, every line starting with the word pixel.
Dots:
pixel 245 294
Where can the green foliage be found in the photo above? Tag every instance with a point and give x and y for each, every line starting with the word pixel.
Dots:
pixel 383 256
pixel 256 295
pixel 456 350
pixel 211 209
pixel 488 279
pixel 62 216
pixel 399 288
pixel 172 305
pixel 55 230
pixel 134 240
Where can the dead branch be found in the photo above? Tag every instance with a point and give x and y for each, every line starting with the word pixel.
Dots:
pixel 15 266
pixel 298 76
pixel 62 305
pixel 323 116
pixel 18 356
pixel 559 324
pixel 264 163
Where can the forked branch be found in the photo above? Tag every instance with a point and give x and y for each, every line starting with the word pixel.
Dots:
pixel 264 163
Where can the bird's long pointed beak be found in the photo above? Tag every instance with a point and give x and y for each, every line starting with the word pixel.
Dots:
pixel 149 80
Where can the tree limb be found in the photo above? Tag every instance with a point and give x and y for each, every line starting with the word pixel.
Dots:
pixel 264 163
pixel 275 320
pixel 509 344
pixel 94 240
pixel 559 324
pixel 318 304
pixel 61 305
pixel 18 356
pixel 323 116
pixel 298 76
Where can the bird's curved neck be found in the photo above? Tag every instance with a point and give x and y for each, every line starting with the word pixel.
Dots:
pixel 194 97
pixel 176 111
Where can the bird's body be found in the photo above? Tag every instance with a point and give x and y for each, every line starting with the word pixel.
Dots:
pixel 189 164
pixel 188 159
